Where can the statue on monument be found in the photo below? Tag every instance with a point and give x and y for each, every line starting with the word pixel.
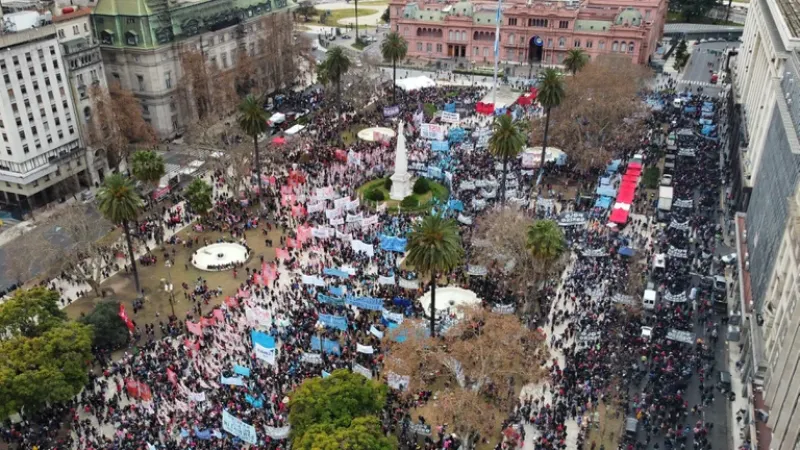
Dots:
pixel 401 180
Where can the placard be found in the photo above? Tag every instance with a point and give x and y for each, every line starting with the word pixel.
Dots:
pixel 391 111
pixel 431 131
pixel 450 117
pixel 238 428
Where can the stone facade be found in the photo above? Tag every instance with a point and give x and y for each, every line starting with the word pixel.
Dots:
pixel 531 31
pixel 141 42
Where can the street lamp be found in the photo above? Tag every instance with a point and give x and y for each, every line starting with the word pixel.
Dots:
pixel 169 288
pixel 473 73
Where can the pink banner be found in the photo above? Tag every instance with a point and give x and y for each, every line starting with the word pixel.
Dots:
pixel 298 211
pixel 303 233
pixel 194 328
pixel 219 315
pixel 281 253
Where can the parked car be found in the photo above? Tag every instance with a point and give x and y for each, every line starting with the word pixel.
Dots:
pixel 729 259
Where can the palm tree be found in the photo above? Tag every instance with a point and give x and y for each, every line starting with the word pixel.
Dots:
pixel 506 143
pixel 332 70
pixel 575 60
pixel 545 241
pixel 551 94
pixel 118 201
pixel 147 167
pixel 434 247
pixel 356 6
pixel 199 196
pixel 253 120
pixel 394 48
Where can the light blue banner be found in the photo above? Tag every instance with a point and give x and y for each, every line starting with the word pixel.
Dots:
pixel 336 290
pixel 262 339
pixel 440 146
pixel 335 273
pixel 322 298
pixel 241 370
pixel 370 303
pixel 331 321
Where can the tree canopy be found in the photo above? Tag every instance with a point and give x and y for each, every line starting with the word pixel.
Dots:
pixel 199 196
pixel 334 401
pixel 44 357
pixel 29 313
pixel 363 433
pixel 110 332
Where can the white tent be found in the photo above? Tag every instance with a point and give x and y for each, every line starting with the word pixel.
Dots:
pixel 277 118
pixel 295 129
pixel 414 83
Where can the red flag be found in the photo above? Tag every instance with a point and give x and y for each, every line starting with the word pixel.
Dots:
pixel 219 315
pixel 194 328
pixel 124 317
pixel 208 322
pixel 231 302
pixel 172 377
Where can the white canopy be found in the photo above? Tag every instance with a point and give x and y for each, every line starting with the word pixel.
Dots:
pixel 295 129
pixel 414 83
pixel 277 118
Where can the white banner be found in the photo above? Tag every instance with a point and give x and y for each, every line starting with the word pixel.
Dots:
pixel 365 349
pixel 476 270
pixel 396 381
pixel 325 193
pixel 312 358
pixel 351 218
pixel 369 221
pixel 450 117
pixel 528 160
pixel 466 220
pixel 358 368
pixel 265 354
pixel 339 203
pixel 321 232
pixel 315 207
pixel 196 397
pixel 258 317
pixel 333 213
pixel 313 280
pixel 466 186
pixel 386 280
pixel 376 332
pixel 408 284
pixel 360 246
pixel 687 337
pixel 278 433
pixel 343 236
pixel 236 427
pixel 337 221
pixel 503 309
pixel 431 131
pixel 353 205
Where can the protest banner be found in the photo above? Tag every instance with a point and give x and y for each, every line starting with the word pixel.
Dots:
pixel 431 131
pixel 391 111
pixel 331 321
pixel 358 368
pixel 238 428
pixel 396 381
pixel 450 117
pixel 278 433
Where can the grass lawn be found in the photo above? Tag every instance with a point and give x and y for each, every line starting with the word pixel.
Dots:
pixel 156 300
pixel 424 201
pixel 338 14
pixel 360 45
pixel 350 135
pixel 608 427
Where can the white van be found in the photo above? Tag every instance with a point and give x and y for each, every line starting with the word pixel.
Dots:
pixel 649 299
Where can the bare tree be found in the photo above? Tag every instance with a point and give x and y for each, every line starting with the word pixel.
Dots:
pixel 117 123
pixel 500 243
pixel 194 88
pixel 601 112
pixel 467 362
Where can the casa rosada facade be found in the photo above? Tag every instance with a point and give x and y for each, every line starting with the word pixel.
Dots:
pixel 531 31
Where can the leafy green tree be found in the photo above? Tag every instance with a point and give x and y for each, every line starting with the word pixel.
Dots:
pixel 394 48
pixel 110 332
pixel 306 10
pixel 30 312
pixel 575 60
pixel 45 369
pixel 682 49
pixel 507 141
pixel 385 17
pixel 334 401
pixel 253 120
pixel 551 94
pixel 332 70
pixel 434 248
pixel 147 166
pixel 118 202
pixel 199 196
pixel 692 9
pixel 363 433
pixel 546 241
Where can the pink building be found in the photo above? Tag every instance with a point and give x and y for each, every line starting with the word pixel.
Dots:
pixel 531 31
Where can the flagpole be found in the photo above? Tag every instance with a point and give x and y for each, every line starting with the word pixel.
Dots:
pixel 496 50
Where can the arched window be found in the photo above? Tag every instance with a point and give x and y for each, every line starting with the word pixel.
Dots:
pixel 562 42
pixel 623 46
pixel 630 47
pixel 450 35
pixel 511 39
pixel 419 31
pixel 615 46
pixel 464 36
pixel 87 112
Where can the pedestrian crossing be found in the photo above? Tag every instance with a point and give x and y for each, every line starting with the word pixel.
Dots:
pixel 704 84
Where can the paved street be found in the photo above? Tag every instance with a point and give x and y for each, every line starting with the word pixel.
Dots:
pixel 702 64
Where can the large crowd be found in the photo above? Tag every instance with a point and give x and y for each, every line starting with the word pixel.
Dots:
pixel 174 391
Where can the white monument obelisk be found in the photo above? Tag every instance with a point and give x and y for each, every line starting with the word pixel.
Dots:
pixel 401 180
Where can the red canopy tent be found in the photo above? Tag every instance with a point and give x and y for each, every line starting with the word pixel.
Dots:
pixel 280 140
pixel 484 108
pixel 635 165
pixel 629 178
pixel 626 193
pixel 619 215
pixel 633 171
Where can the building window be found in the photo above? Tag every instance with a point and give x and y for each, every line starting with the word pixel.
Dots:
pixel 512 21
pixel 562 42
pixel 131 38
pixel 589 44
pixel 615 46
pixel 485 52
pixel 438 48
pixel 145 109
pixel 76 30
pixel 71 129
pixel 601 45
pixel 130 20
pixel 630 47
pixel 224 60
pixel 464 36
pixel 5 137
pixel 538 23
pixel 419 46
pixel 140 81
pixel 563 24
pixel 168 80
pixel 577 43
pixel 8 150
pixel 25 149
pixel 511 39
pixel 429 47
pixel 60 134
pixel 450 35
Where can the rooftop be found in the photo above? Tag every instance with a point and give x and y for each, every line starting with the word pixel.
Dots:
pixel 80 12
pixel 790 9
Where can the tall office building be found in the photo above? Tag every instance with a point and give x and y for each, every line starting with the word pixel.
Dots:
pixel 141 42
pixel 42 159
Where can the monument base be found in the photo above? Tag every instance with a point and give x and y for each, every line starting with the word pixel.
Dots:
pixel 401 186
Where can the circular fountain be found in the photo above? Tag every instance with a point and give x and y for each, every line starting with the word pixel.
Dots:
pixel 448 301
pixel 220 256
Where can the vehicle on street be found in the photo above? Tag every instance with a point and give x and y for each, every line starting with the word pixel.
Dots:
pixel 729 258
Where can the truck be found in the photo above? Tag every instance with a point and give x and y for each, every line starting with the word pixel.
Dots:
pixel 664 202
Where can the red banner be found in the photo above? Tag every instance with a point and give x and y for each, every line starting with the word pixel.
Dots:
pixel 124 316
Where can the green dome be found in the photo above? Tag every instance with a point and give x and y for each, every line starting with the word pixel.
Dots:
pixel 629 16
